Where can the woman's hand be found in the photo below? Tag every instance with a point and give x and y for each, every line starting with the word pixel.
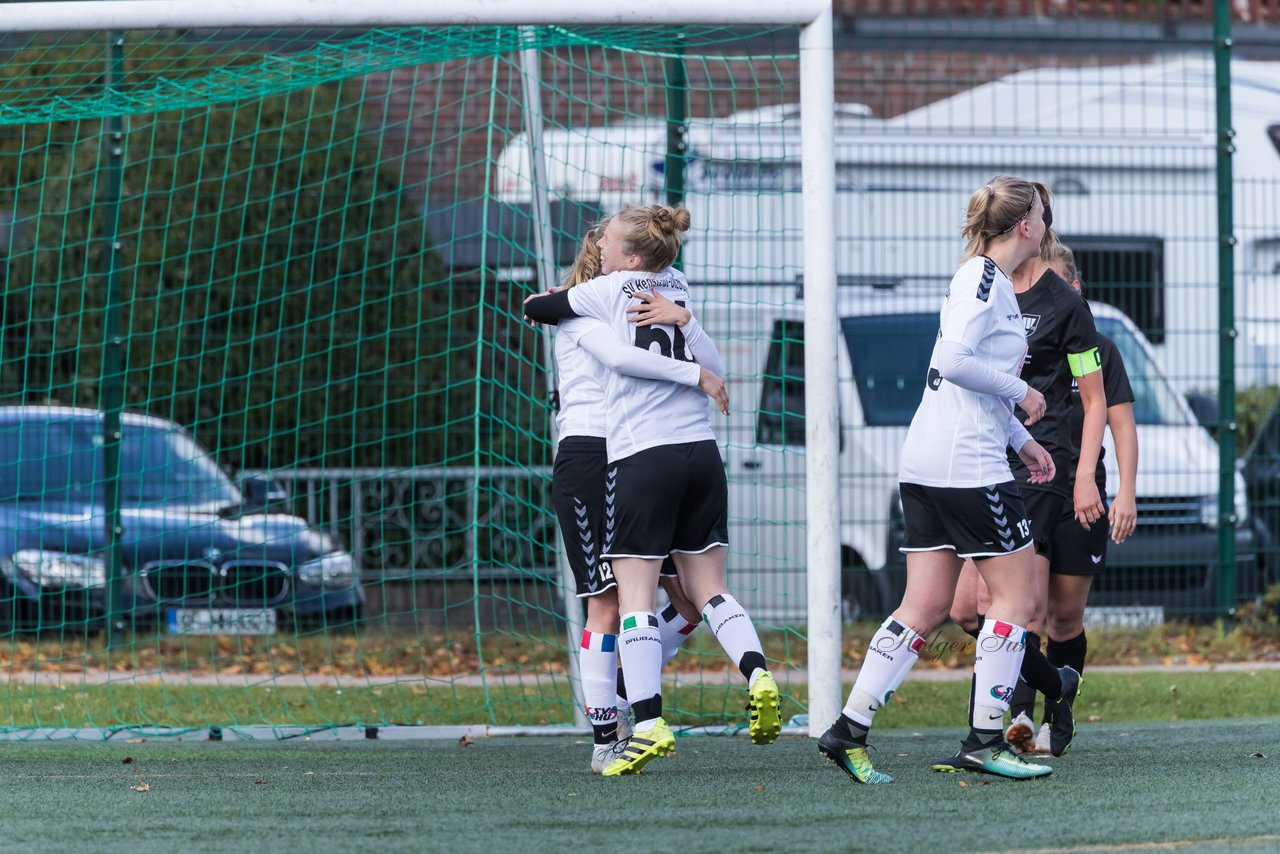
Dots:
pixel 1124 518
pixel 654 308
pixel 1033 405
pixel 715 389
pixel 1088 503
pixel 1039 464
pixel 547 292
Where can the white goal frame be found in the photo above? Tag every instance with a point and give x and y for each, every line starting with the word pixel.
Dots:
pixel 817 103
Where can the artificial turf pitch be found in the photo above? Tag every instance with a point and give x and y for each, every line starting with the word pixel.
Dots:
pixel 1186 786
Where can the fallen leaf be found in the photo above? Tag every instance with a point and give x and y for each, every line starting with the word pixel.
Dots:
pixel 758 788
pixel 128 760
pixel 308 773
pixel 134 740
pixel 1257 756
pixel 259 782
pixel 141 787
pixel 986 782
pixel 466 740
pixel 1093 719
pixel 963 784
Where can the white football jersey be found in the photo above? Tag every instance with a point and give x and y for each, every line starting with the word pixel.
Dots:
pixel 580 381
pixel 958 437
pixel 644 413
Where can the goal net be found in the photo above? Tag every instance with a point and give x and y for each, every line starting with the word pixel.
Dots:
pixel 275 442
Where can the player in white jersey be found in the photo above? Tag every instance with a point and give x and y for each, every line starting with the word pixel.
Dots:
pixel 958 495
pixel 666 480
pixel 586 351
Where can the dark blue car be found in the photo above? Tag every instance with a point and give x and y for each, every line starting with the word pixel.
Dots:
pixel 199 555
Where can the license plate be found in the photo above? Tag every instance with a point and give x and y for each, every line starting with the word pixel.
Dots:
pixel 1124 616
pixel 222 621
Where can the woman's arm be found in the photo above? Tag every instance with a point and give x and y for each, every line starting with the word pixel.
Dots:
pixel 1093 398
pixel 957 365
pixel 605 346
pixel 549 308
pixel 1124 510
pixel 702 347
pixel 654 308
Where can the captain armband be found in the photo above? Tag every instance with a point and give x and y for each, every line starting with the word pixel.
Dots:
pixel 1083 364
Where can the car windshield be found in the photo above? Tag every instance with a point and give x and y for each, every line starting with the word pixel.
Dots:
pixel 62 460
pixel 1154 401
pixel 890 355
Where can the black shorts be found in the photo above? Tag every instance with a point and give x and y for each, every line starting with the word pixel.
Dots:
pixel 577 491
pixel 1044 509
pixel 1075 550
pixel 672 498
pixel 974 522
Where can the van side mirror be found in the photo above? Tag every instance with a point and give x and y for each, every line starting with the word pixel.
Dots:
pixel 262 493
pixel 1205 408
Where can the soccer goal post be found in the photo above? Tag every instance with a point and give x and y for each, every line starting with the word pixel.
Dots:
pixel 263 265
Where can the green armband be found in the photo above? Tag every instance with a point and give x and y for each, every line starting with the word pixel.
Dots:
pixel 1083 364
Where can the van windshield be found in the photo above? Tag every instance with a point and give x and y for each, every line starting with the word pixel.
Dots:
pixel 890 356
pixel 62 461
pixel 1154 400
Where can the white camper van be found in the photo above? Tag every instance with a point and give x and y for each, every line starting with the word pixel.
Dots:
pixel 1130 155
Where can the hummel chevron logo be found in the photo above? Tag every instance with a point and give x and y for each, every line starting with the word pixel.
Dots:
pixel 1008 545
pixel 1096 558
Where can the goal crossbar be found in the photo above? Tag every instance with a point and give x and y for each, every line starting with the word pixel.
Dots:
pixel 67 15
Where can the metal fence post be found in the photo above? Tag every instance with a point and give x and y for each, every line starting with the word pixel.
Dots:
pixel 111 392
pixel 1227 518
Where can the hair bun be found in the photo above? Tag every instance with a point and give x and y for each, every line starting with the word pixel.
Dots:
pixel 681 219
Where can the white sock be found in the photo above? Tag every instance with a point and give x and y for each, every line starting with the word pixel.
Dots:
pixel 642 666
pixel 733 629
pixel 598 661
pixel 996 664
pixel 893 651
pixel 674 629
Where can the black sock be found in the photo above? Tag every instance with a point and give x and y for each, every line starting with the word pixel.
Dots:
pixel 977 739
pixel 1070 653
pixel 751 661
pixel 622 686
pixel 850 730
pixel 1037 675
pixel 647 710
pixel 977 628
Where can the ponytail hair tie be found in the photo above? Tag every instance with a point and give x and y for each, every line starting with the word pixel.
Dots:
pixel 991 191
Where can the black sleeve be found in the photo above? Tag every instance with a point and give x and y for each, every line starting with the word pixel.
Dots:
pixel 1080 334
pixel 1115 379
pixel 549 308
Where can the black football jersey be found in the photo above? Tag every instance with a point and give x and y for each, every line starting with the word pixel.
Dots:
pixel 1062 343
pixel 1116 381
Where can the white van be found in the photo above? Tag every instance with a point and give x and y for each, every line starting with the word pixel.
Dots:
pixel 887 334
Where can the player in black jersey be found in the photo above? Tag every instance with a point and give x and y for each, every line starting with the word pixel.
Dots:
pixel 1062 349
pixel 1079 555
